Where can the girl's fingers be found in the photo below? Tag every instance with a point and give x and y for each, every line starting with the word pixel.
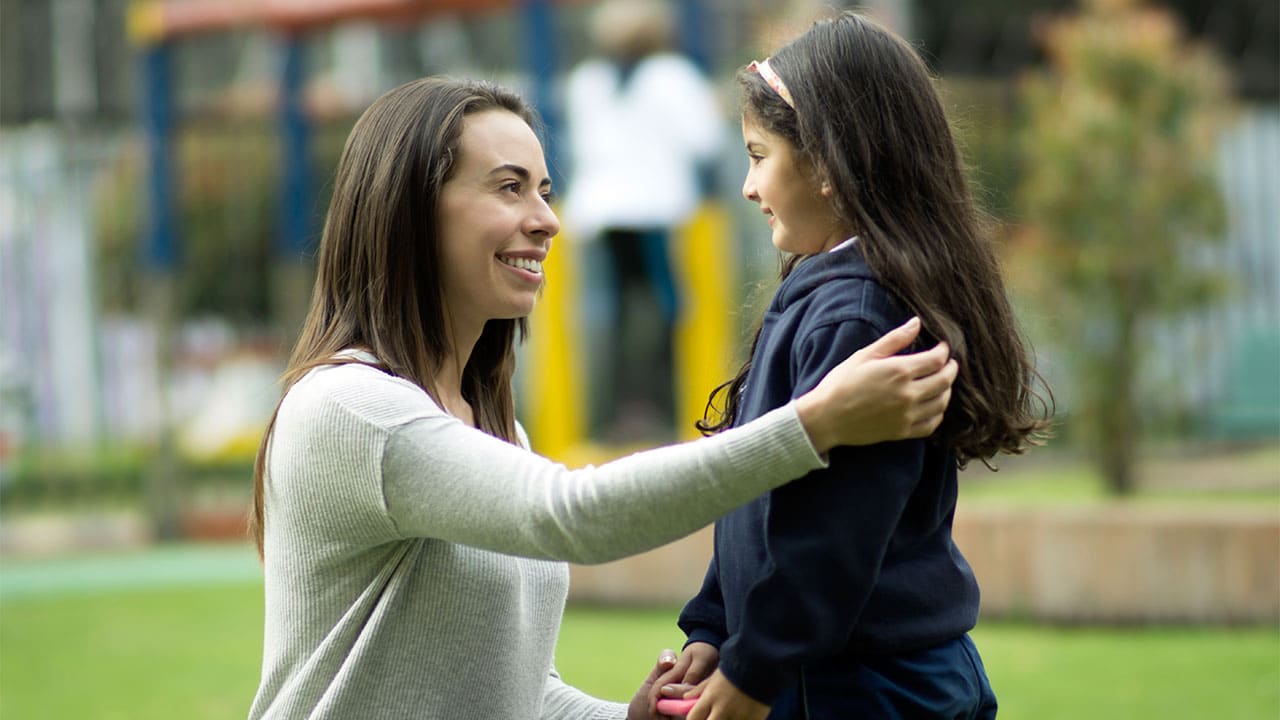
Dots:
pixel 698 671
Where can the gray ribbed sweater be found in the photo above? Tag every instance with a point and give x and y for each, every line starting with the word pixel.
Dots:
pixel 408 556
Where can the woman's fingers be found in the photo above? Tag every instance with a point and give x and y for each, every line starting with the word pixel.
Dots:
pixel 894 341
pixel 929 416
pixel 931 395
pixel 666 671
pixel 936 396
pixel 929 362
pixel 937 383
pixel 677 690
pixel 666 661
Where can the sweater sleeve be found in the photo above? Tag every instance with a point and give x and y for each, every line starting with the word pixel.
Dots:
pixel 825 539
pixel 562 701
pixel 445 480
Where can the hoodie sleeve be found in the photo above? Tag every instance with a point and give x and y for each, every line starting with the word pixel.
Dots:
pixel 703 618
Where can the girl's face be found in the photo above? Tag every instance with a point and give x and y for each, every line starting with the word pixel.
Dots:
pixel 495 221
pixel 789 193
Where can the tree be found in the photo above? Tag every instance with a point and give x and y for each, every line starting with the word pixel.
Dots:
pixel 1118 186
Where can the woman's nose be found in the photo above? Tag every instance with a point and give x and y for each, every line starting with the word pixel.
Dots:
pixel 749 189
pixel 542 222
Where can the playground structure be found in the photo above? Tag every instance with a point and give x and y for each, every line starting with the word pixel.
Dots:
pixel 551 383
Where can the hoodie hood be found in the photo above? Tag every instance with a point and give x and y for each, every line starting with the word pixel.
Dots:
pixel 816 270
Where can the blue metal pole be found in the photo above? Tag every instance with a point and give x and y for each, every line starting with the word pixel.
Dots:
pixel 160 250
pixel 695 38
pixel 542 65
pixel 295 191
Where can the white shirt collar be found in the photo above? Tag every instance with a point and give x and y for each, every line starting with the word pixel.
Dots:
pixel 845 244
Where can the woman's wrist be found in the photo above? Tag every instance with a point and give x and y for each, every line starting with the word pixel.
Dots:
pixel 813 418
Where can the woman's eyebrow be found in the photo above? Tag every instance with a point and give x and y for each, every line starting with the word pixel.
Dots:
pixel 520 172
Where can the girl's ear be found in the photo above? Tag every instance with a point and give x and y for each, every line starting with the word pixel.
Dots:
pixel 825 189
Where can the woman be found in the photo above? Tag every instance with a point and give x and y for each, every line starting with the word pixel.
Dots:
pixel 404 528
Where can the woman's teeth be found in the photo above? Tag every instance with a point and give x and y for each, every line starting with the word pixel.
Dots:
pixel 522 263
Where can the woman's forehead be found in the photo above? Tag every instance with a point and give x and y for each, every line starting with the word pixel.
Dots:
pixel 493 138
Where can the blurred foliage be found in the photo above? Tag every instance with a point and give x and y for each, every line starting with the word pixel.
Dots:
pixel 103 476
pixel 113 475
pixel 983 113
pixel 1117 189
pixel 228 173
pixel 225 194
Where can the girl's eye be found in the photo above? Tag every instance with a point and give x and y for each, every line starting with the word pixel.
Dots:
pixel 513 187
pixel 753 159
pixel 548 197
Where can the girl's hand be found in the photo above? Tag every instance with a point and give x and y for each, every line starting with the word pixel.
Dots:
pixel 641 707
pixel 720 700
pixel 696 664
pixel 877 395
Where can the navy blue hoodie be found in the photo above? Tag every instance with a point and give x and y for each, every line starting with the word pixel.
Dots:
pixel 852 561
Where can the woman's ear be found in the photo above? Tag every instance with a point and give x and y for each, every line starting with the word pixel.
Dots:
pixel 825 189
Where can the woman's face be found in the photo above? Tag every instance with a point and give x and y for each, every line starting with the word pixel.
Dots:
pixel 788 192
pixel 496 224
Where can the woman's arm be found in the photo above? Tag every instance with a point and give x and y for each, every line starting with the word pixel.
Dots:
pixel 445 480
pixel 561 701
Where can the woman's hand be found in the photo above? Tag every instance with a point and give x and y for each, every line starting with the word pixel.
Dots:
pixel 696 664
pixel 641 707
pixel 877 395
pixel 718 699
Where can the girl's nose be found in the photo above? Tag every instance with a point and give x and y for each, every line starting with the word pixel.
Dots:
pixel 749 190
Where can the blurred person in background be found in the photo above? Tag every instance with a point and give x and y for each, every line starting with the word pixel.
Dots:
pixel 843 595
pixel 411 544
pixel 643 129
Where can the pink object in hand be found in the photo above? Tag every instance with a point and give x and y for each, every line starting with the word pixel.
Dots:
pixel 676 706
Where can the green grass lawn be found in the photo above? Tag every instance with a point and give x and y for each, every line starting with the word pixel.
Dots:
pixel 1249 477
pixel 194 652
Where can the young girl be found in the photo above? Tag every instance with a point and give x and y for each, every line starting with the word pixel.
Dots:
pixel 404 528
pixel 842 595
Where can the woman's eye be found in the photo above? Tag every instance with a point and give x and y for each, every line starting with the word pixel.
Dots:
pixel 513 187
pixel 548 197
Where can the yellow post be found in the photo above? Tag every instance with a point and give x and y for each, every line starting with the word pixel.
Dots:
pixel 554 380
pixel 706 270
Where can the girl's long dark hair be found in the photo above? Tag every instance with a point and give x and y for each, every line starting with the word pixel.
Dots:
pixel 378 284
pixel 869 118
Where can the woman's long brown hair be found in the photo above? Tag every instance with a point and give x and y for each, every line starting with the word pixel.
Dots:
pixel 869 118
pixel 378 284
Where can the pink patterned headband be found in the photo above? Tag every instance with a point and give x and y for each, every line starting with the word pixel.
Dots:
pixel 771 78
